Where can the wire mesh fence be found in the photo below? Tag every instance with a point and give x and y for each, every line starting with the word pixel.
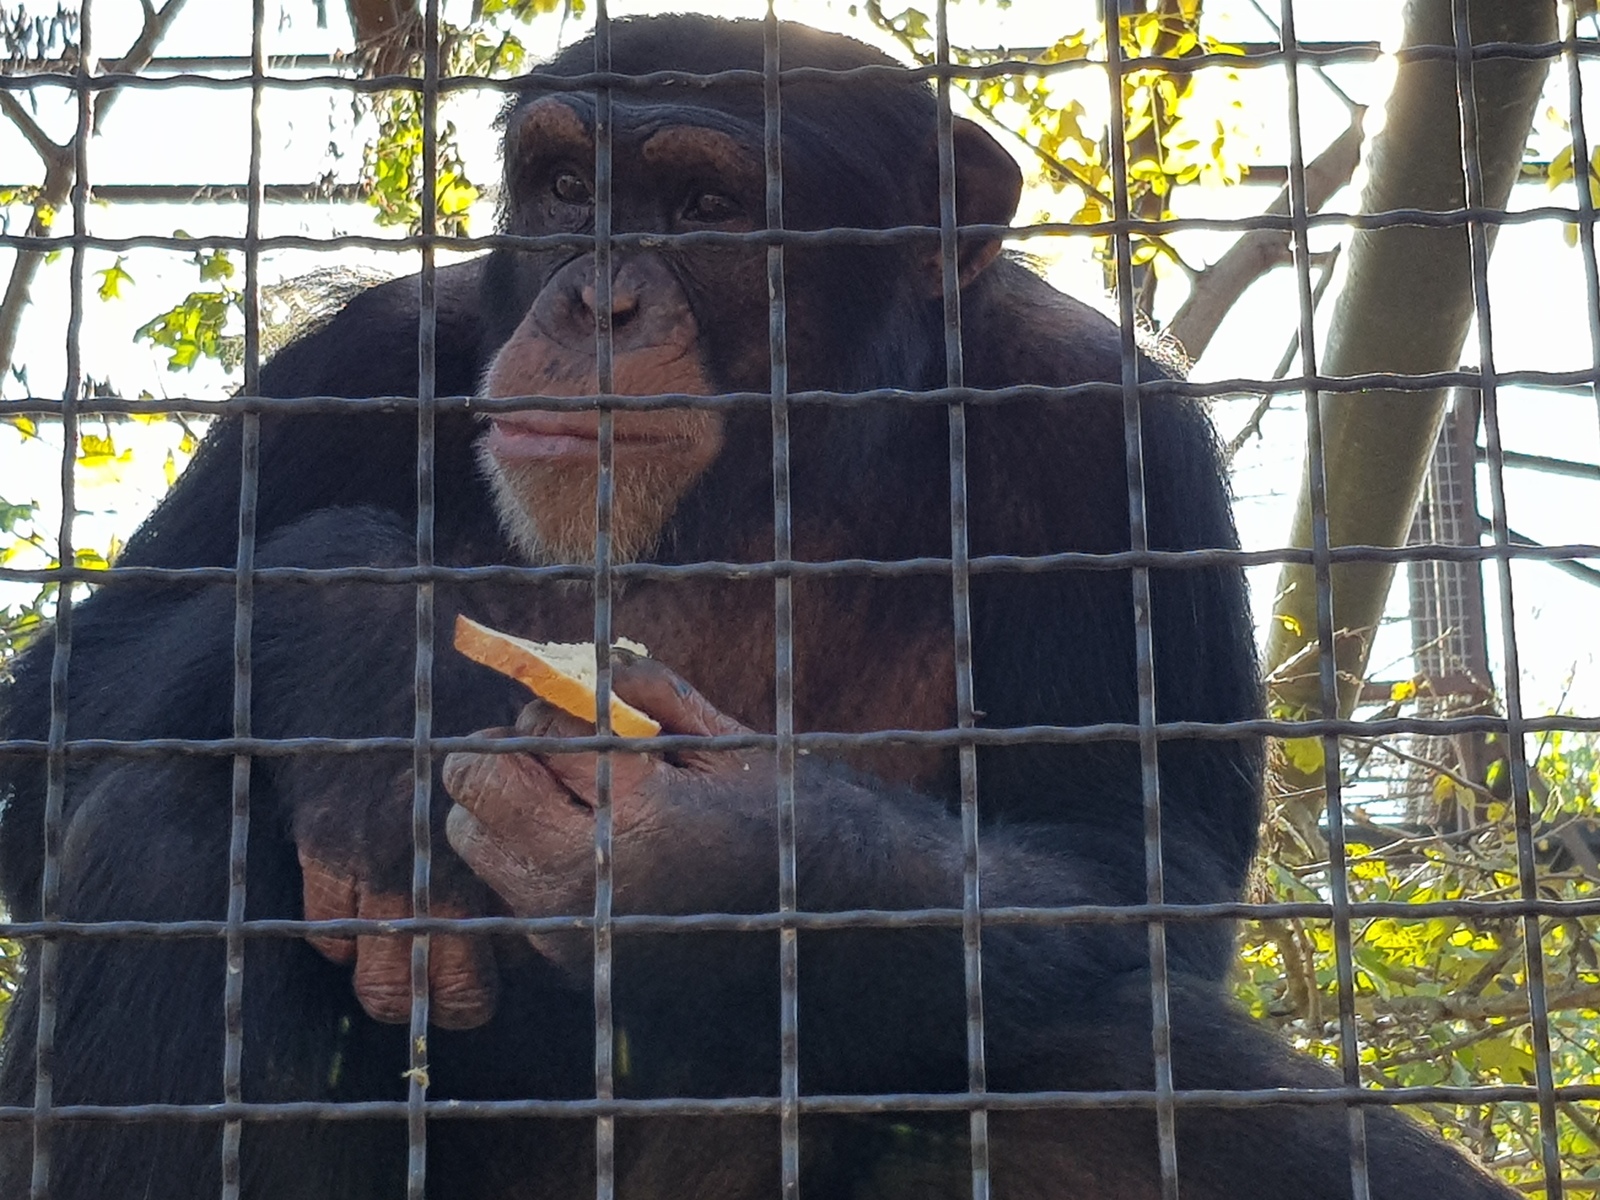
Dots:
pixel 1066 761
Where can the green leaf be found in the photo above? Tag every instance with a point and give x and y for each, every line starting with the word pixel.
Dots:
pixel 193 329
pixel 215 266
pixel 12 515
pixel 112 279
pixel 1306 754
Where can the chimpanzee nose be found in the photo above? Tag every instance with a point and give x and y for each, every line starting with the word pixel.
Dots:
pixel 624 299
pixel 648 305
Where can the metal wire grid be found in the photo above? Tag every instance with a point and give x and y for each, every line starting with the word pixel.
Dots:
pixel 1327 664
pixel 786 742
pixel 422 678
pixel 1144 645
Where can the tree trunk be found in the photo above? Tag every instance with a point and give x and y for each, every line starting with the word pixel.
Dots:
pixel 388 33
pixel 1405 307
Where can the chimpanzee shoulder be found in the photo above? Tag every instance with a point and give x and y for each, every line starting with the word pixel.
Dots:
pixel 343 457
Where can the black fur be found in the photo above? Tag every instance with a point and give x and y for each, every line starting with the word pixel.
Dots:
pixel 881 1011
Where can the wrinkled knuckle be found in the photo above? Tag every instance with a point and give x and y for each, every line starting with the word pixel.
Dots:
pixel 536 718
pixel 624 659
pixel 461 773
pixel 385 1002
pixel 463 996
pixel 463 830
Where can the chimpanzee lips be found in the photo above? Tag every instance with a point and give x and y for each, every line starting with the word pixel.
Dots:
pixel 574 436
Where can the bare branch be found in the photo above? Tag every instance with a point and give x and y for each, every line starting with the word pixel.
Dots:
pixel 29 128
pixel 1474 1008
pixel 1218 287
pixel 25 266
pixel 138 56
pixel 61 170
pixel 1444 1049
pixel 1438 768
pixel 388 33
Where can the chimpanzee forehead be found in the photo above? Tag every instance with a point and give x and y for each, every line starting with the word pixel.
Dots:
pixel 635 118
pixel 825 74
pixel 682 137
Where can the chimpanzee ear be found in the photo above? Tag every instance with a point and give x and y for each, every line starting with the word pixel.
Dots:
pixel 988 186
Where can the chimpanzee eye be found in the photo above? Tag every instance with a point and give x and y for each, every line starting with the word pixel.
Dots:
pixel 711 208
pixel 571 188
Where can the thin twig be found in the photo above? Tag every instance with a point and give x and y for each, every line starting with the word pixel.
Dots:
pixel 1429 1053
pixel 1438 768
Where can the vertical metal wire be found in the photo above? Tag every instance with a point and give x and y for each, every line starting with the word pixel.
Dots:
pixel 1144 648
pixel 961 618
pixel 243 621
pixel 1338 884
pixel 49 961
pixel 1582 177
pixel 604 1033
pixel 782 617
pixel 422 671
pixel 1516 748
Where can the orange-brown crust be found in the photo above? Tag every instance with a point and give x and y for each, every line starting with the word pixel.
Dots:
pixel 518 659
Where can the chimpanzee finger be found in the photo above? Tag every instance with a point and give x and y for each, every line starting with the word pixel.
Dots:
pixel 509 862
pixel 463 981
pixel 516 825
pixel 328 894
pixel 578 772
pixel 657 689
pixel 503 790
pixel 463 984
pixel 383 960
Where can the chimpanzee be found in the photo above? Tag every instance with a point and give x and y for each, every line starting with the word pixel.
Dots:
pixel 139 1020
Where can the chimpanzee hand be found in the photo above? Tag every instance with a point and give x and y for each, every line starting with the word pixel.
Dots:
pixel 525 823
pixel 355 862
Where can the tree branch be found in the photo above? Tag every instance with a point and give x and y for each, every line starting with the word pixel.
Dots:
pixel 25 266
pixel 29 128
pixel 388 33
pixel 1475 1008
pixel 1324 263
pixel 1438 768
pixel 156 27
pixel 60 171
pixel 1217 288
pixel 1443 1050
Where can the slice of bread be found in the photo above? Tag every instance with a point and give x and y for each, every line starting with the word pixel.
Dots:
pixel 562 673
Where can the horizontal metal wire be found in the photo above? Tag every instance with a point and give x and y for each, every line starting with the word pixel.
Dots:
pixel 839 235
pixel 1013 916
pixel 1427 381
pixel 746 1106
pixel 995 564
pixel 1022 735
pixel 588 81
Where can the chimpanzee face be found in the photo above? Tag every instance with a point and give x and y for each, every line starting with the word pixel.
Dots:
pixel 670 176
pixel 690 316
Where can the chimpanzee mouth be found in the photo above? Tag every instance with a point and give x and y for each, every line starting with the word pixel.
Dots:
pixel 574 437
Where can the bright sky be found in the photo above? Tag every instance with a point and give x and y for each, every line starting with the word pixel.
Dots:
pixel 1539 306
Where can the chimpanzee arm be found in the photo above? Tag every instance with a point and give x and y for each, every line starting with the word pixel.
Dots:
pixel 1067 1006
pixel 1224 1152
pixel 138 1020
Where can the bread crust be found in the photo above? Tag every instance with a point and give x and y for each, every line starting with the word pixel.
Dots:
pixel 530 664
